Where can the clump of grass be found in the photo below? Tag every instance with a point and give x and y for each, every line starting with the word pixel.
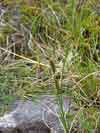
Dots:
pixel 64 44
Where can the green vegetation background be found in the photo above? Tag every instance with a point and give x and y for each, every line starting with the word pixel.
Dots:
pixel 60 55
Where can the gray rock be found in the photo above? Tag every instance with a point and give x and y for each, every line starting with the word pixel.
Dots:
pixel 33 117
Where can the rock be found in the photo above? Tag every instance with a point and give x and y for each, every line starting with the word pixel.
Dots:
pixel 33 117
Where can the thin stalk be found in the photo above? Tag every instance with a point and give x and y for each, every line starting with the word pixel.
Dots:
pixel 59 96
